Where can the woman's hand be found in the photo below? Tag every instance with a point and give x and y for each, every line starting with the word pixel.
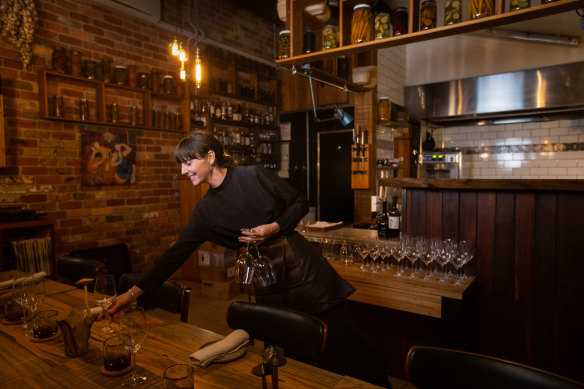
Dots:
pixel 260 233
pixel 120 304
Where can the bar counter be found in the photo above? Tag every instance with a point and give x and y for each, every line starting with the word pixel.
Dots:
pixel 528 263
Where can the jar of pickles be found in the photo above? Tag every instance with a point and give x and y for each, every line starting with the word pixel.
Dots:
pixel 383 108
pixel 400 21
pixel 284 44
pixel 428 15
pixel 452 12
pixel 361 24
pixel 382 25
pixel 514 5
pixel 329 37
pixel 480 8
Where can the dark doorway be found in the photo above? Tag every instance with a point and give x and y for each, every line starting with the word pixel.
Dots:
pixel 335 196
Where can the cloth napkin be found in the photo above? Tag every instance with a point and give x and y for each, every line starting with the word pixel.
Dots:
pixel 8 284
pixel 232 343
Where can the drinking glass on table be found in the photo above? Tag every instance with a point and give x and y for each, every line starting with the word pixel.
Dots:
pixel 179 376
pixel 104 293
pixel 133 333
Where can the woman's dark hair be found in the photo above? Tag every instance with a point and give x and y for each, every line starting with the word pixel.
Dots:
pixel 197 145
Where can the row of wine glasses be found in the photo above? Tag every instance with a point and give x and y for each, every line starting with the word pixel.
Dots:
pixel 28 294
pixel 412 257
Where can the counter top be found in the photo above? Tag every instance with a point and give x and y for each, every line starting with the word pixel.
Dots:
pixel 479 184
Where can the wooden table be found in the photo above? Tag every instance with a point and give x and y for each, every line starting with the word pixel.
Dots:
pixel 44 365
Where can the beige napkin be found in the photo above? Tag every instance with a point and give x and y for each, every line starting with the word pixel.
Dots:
pixel 233 342
pixel 8 284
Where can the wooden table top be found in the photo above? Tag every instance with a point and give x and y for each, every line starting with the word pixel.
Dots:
pixel 44 365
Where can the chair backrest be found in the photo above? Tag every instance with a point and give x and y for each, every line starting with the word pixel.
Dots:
pixel 115 257
pixel 435 367
pixel 72 269
pixel 302 336
pixel 171 296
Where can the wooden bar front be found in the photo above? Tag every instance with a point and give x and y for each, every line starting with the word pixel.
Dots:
pixel 529 262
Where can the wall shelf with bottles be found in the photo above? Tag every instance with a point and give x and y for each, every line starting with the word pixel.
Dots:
pixel 116 105
pixel 298 20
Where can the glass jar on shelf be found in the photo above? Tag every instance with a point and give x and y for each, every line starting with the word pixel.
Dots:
pixel 400 21
pixel 284 44
pixel 428 15
pixel 478 9
pixel 452 12
pixel 383 108
pixel 361 24
pixel 382 25
pixel 329 37
pixel 515 5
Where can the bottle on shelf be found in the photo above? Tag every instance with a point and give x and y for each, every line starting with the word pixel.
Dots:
pixel 383 222
pixel 394 217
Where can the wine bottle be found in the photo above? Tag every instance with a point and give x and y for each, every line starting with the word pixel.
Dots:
pixel 394 219
pixel 383 223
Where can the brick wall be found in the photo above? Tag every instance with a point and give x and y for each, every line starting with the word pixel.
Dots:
pixel 43 157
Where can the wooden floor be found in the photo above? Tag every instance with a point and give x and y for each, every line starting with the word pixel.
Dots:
pixel 210 313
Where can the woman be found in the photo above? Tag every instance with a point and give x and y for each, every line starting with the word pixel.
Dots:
pixel 250 204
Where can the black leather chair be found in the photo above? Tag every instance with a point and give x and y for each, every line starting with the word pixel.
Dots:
pixel 72 269
pixel 171 296
pixel 437 368
pixel 116 258
pixel 302 336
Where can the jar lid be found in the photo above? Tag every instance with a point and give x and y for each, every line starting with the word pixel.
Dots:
pixel 383 98
pixel 400 9
pixel 429 2
pixel 167 76
pixel 284 32
pixel 361 6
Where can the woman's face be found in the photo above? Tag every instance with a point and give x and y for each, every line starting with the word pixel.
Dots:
pixel 197 170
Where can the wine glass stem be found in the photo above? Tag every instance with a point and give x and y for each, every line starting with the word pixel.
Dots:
pixel 134 374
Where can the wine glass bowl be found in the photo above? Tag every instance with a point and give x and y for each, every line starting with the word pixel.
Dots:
pixel 104 292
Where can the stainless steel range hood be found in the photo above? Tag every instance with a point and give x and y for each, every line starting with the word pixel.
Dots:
pixel 547 93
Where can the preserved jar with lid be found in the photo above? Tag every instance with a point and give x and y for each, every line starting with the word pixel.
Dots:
pixel 59 59
pixel 76 64
pixel 284 44
pixel 400 21
pixel 383 108
pixel 428 15
pixel 452 12
pixel 361 24
pixel 515 5
pixel 309 41
pixel 480 9
pixel 382 25
pixel 329 37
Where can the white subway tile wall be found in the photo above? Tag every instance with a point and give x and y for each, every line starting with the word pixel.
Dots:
pixel 545 150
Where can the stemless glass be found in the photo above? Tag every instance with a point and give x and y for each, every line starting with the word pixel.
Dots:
pixel 104 293
pixel 133 333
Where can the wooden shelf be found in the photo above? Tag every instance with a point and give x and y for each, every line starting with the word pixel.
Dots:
pixel 296 17
pixel 100 92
